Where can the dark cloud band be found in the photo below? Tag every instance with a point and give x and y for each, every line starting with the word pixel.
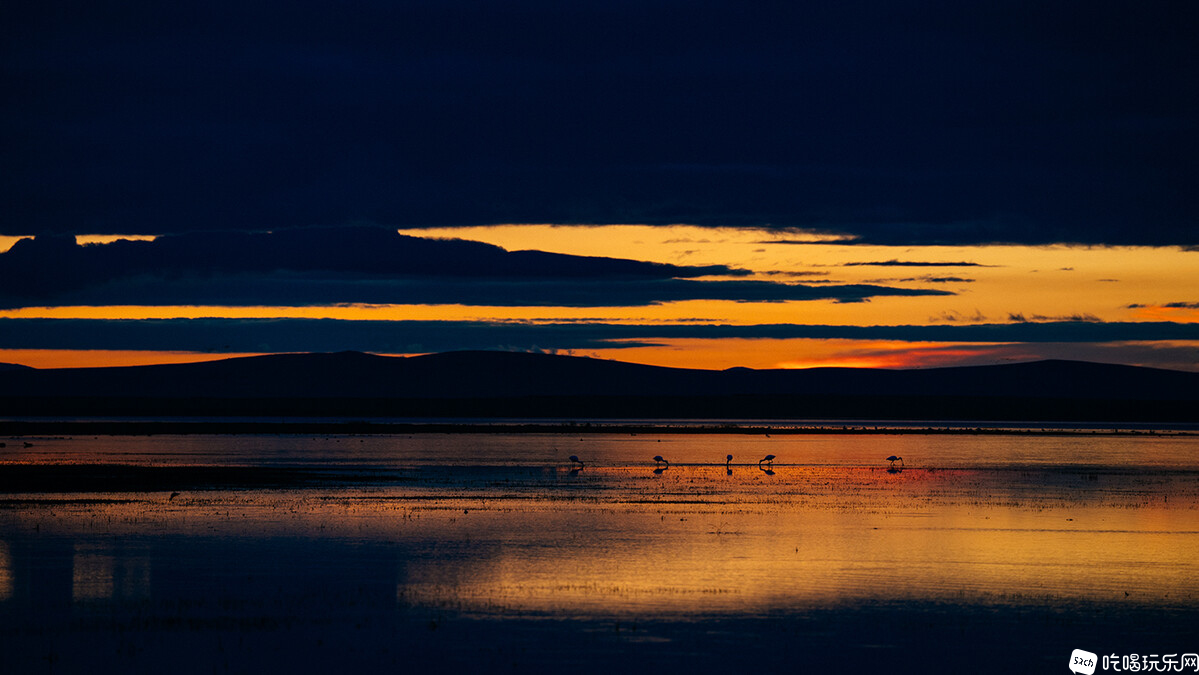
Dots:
pixel 368 266
pixel 292 335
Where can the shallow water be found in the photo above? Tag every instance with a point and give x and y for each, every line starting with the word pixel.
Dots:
pixel 615 450
pixel 490 551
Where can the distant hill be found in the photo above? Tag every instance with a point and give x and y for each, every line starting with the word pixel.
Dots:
pixel 510 384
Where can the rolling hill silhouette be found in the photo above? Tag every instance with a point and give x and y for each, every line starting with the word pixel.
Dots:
pixel 510 384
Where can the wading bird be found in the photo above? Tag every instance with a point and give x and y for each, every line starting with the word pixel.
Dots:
pixel 768 459
pixel 659 460
pixel 728 459
pixel 893 459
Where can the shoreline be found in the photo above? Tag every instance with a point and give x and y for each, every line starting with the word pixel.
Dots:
pixel 33 428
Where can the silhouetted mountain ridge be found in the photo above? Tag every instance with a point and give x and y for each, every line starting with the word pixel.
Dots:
pixel 548 383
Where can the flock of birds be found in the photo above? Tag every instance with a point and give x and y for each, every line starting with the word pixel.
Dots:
pixel 766 464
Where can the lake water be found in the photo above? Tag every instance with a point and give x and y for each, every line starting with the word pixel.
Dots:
pixel 494 552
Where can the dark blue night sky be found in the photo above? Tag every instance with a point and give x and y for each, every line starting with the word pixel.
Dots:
pixel 896 123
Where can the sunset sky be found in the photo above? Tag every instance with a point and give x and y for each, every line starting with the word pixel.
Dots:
pixel 688 184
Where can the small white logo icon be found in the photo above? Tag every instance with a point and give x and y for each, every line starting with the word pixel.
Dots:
pixel 1082 662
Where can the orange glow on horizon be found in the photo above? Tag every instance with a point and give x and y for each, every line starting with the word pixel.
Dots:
pixel 797 353
pixel 1160 313
pixel 722 353
pixel 704 354
pixel 96 358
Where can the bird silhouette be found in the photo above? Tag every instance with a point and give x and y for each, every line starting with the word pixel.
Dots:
pixel 893 459
pixel 658 459
pixel 574 459
pixel 768 459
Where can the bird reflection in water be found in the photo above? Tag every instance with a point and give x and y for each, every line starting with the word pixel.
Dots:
pixel 661 463
pixel 766 465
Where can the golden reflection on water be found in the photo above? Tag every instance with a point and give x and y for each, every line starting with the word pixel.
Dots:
pixel 91 574
pixel 822 537
pixel 690 541
pixel 100 572
pixel 688 560
pixel 6 582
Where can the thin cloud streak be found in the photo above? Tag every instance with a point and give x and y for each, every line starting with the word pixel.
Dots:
pixel 1168 305
pixel 927 279
pixel 913 263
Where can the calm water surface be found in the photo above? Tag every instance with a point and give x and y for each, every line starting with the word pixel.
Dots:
pixel 868 450
pixel 494 552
